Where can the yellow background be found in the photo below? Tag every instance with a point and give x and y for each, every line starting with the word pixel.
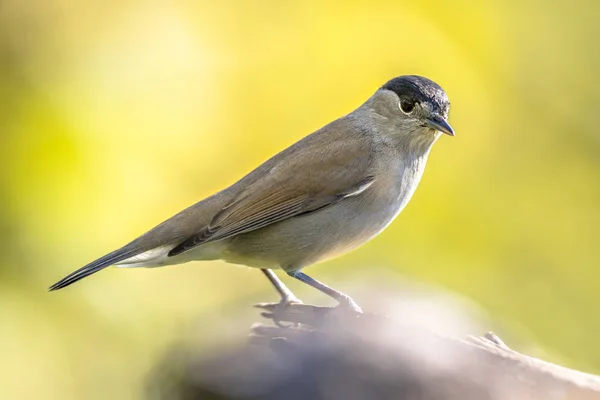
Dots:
pixel 115 115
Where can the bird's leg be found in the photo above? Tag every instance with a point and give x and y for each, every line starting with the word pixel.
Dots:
pixel 287 297
pixel 343 299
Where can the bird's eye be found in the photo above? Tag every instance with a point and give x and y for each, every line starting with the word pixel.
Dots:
pixel 407 106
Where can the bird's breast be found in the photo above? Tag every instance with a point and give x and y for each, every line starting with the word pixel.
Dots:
pixel 394 189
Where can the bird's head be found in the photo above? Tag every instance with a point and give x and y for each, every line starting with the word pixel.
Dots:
pixel 415 108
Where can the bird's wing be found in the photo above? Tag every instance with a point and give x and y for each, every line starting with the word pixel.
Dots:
pixel 323 170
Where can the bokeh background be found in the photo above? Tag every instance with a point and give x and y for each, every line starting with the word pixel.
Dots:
pixel 114 115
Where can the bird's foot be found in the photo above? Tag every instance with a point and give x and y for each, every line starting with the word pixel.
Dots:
pixel 298 313
pixel 347 303
pixel 275 311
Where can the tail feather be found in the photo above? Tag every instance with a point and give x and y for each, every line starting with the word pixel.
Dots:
pixel 95 266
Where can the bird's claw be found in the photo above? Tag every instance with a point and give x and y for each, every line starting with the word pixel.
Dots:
pixel 276 310
pixel 349 304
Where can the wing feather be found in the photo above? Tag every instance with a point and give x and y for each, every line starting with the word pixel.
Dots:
pixel 301 182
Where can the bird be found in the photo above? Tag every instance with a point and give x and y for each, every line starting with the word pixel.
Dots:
pixel 322 197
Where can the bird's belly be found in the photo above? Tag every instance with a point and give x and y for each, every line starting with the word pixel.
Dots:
pixel 318 236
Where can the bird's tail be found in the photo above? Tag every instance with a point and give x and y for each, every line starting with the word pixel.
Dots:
pixel 95 266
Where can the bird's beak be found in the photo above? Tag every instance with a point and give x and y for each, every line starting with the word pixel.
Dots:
pixel 439 124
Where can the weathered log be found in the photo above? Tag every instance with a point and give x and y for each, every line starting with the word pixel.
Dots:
pixel 330 353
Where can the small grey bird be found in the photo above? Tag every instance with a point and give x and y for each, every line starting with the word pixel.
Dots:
pixel 325 195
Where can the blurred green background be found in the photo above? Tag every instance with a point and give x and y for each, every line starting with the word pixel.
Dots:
pixel 115 115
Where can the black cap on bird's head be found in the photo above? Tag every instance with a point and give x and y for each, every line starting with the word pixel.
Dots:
pixel 413 90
